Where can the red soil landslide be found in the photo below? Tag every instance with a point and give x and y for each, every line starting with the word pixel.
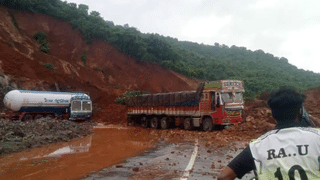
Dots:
pixel 107 74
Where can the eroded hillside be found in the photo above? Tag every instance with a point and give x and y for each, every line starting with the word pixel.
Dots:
pixel 106 74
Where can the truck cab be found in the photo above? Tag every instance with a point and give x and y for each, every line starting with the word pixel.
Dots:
pixel 222 101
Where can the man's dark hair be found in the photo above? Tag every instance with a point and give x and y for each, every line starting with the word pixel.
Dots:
pixel 285 103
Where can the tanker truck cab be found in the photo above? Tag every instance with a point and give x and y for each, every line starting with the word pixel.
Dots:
pixel 80 107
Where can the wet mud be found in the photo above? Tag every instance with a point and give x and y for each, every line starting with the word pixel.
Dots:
pixel 77 158
pixel 120 152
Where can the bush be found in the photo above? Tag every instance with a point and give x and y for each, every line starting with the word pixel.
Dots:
pixel 129 94
pixel 121 100
pixel 14 21
pixel 49 66
pixel 96 69
pixel 41 38
pixel 84 58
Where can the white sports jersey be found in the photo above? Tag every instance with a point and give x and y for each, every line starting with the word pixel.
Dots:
pixel 290 153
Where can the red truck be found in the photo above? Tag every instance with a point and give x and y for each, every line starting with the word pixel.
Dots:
pixel 218 103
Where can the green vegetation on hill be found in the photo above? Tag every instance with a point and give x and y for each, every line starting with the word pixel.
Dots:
pixel 259 70
pixel 42 40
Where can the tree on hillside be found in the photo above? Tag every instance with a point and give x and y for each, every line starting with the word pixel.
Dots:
pixel 260 71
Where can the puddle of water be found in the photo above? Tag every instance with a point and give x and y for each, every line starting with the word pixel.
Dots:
pixel 75 159
pixel 76 146
pixel 111 126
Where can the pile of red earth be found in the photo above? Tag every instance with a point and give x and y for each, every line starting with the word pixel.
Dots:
pixel 257 120
pixel 312 102
pixel 17 135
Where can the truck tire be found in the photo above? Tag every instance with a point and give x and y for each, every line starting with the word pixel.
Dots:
pixel 164 123
pixel 188 125
pixel 144 122
pixel 27 117
pixel 207 124
pixel 154 123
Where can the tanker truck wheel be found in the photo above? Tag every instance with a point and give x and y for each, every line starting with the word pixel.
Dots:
pixel 188 124
pixel 144 122
pixel 27 117
pixel 207 124
pixel 164 123
pixel 155 123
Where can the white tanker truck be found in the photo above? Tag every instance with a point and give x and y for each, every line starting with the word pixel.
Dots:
pixel 29 105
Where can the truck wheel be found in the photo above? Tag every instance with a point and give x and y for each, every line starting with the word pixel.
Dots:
pixel 188 124
pixel 154 123
pixel 27 117
pixel 164 123
pixel 38 116
pixel 129 121
pixel 144 122
pixel 207 124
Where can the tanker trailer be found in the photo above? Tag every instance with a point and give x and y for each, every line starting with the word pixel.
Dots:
pixel 29 105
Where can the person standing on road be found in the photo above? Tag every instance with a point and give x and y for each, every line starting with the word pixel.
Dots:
pixel 290 151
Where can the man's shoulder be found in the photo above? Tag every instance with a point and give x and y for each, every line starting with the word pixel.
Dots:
pixel 310 129
pixel 264 136
pixel 307 130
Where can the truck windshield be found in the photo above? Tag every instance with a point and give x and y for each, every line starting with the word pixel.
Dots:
pixel 238 98
pixel 228 97
pixel 86 106
pixel 76 106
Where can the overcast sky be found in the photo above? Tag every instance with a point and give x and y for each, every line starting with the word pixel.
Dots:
pixel 284 28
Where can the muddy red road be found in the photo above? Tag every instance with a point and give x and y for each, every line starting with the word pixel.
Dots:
pixel 111 145
pixel 104 148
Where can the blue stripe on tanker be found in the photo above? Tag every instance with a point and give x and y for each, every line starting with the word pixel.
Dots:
pixel 49 92
pixel 58 110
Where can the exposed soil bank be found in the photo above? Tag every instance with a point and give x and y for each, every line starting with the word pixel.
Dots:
pixel 107 74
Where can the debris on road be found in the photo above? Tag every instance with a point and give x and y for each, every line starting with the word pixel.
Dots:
pixel 18 135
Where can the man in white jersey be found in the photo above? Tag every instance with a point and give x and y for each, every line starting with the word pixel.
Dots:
pixel 290 151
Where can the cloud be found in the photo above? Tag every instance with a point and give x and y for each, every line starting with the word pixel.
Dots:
pixel 204 27
pixel 284 28
pixel 302 48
